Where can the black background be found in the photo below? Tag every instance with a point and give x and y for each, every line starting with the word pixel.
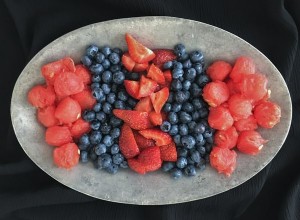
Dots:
pixel 26 192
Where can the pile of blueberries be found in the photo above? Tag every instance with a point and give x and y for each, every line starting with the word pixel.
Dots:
pixel 187 113
pixel 101 143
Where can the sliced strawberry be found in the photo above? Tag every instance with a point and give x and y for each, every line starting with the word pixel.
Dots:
pixel 147 86
pixel 138 52
pixel 156 74
pixel 168 152
pixel 168 76
pixel 162 56
pixel 160 137
pixel 127 142
pixel 150 158
pixel 144 105
pixel 84 74
pixel 159 98
pixel 164 116
pixel 155 118
pixel 136 166
pixel 136 120
pixel 132 88
pixel 85 99
pixel 128 62
pixel 143 142
pixel 139 67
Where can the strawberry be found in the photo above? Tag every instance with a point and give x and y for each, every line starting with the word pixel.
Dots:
pixel 143 142
pixel 150 158
pixel 138 52
pixel 156 74
pixel 136 120
pixel 155 118
pixel 139 67
pixel 162 56
pixel 160 137
pixel 168 152
pixel 159 99
pixel 168 76
pixel 147 86
pixel 127 142
pixel 136 166
pixel 144 105
pixel 128 62
pixel 132 88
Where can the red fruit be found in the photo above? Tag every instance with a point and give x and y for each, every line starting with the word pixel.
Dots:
pixel 156 74
pixel 128 62
pixel 168 152
pixel 144 105
pixel 85 99
pixel 127 143
pixel 215 93
pixel 51 70
pixel 41 96
pixel 136 166
pixel 138 52
pixel 250 142
pixel 150 158
pixel 139 67
pixel 246 124
pixel 159 98
pixel 160 137
pixel 136 120
pixel 143 142
pixel 58 135
pixel 147 86
pixel 223 159
pixel 227 138
pixel 168 76
pixel 68 110
pixel 267 114
pixel 84 74
pixel 232 87
pixel 66 156
pixel 266 97
pixel 164 116
pixel 239 107
pixel 220 118
pixel 46 116
pixel 132 88
pixel 242 66
pixel 79 128
pixel 68 83
pixel 162 56
pixel 253 86
pixel 219 70
pixel 155 118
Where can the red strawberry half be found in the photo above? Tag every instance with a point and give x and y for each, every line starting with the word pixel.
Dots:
pixel 127 142
pixel 162 56
pixel 160 137
pixel 150 158
pixel 168 152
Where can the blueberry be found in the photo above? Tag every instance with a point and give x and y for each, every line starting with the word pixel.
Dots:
pixel 112 168
pixel 176 85
pixel 198 67
pixel 83 146
pixel 115 68
pixel 118 50
pixel 176 173
pixel 106 88
pixel 111 98
pixel 115 122
pixel 88 115
pixel 124 164
pixel 187 64
pixel 114 149
pixel 190 170
pixel 106 64
pixel 84 156
pixel 197 103
pixel 133 76
pixel 108 141
pixel 209 140
pixel 171 97
pixel 107 76
pixel 96 78
pixel 118 158
pixel 174 130
pixel 208 147
pixel 181 162
pixel 203 112
pixel 176 73
pixel 190 161
pixel 122 95
pixel 179 50
pixel 85 60
pixel 95 124
pixel 96 68
pixel 199 138
pixel 197 56
pixel 92 155
pixel 182 152
pixel 201 165
pixel 177 65
pixel 103 161
pixel 97 107
pixel 119 104
pixel 114 88
pixel 100 57
pixel 100 149
pixel 173 118
pixel 95 85
pixel 183 129
pixel 187 95
pixel 183 57
pixel 95 137
pixel 191 126
pixel 131 102
pixel 168 65
pixel 207 158
pixel 188 107
pixel 190 74
pixel 84 140
pixel 176 107
pixel 202 80
pixel 196 90
pixel 167 166
pixel 115 133
pixel 201 142
pixel 107 108
pixel 165 126
pixel 92 50
pixel 188 141
pixel 105 128
pixel 106 51
pixel 201 150
pixel 167 107
pixel 177 140
pixel 101 116
pixel 207 133
pixel 114 58
pixel 195 155
pixel 118 77
pixel 180 97
pixel 185 117
pixel 98 94
pixel 186 85
pixel 200 128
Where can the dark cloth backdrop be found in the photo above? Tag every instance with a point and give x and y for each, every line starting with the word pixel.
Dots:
pixel 27 26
